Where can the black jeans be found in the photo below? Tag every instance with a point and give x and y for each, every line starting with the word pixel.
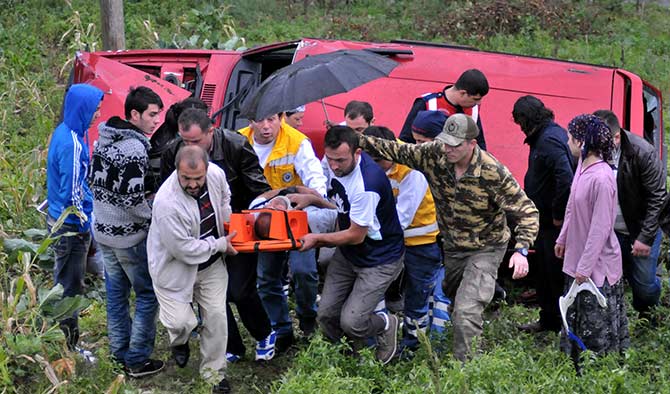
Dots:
pixel 71 252
pixel 242 291
pixel 548 277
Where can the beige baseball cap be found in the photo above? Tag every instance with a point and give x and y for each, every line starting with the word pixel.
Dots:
pixel 458 128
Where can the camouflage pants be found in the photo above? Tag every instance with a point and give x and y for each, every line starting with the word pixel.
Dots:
pixel 470 281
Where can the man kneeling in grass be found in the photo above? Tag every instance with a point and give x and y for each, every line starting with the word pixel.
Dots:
pixel 369 245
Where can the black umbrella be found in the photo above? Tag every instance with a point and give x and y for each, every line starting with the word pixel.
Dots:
pixel 314 78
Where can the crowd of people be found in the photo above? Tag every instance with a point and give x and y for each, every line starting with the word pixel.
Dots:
pixel 430 214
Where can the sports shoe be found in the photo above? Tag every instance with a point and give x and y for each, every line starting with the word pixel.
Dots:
pixel 233 358
pixel 223 387
pixel 150 367
pixel 265 349
pixel 387 341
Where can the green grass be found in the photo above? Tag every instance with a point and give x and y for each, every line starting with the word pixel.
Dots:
pixel 37 41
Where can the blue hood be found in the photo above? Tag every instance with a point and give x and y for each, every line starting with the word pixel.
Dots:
pixel 81 101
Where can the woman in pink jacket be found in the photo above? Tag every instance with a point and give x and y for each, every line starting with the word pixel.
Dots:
pixel 588 245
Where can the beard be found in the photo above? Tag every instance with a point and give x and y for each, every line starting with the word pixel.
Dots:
pixel 195 192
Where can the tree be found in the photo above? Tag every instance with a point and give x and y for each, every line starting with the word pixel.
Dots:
pixel 113 30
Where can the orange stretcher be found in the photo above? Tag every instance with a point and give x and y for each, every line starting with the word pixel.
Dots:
pixel 286 229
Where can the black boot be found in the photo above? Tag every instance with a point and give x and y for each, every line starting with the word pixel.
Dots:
pixel 181 353
pixel 70 327
pixel 223 387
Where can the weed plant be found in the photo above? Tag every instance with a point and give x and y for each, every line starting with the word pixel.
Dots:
pixel 37 41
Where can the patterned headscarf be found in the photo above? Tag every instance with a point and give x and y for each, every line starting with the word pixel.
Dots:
pixel 594 133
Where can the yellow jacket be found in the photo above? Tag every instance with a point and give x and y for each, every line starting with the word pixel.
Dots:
pixel 423 227
pixel 280 169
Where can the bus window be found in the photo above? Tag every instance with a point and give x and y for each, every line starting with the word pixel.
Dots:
pixel 652 116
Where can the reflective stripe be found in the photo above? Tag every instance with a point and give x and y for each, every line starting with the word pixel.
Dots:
pixel 442 306
pixel 422 321
pixel 432 104
pixel 282 161
pixel 423 230
pixel 439 322
pixel 413 332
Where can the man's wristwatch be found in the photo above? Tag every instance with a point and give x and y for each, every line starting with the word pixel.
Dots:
pixel 522 251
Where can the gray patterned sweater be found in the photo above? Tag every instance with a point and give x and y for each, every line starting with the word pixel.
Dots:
pixel 121 211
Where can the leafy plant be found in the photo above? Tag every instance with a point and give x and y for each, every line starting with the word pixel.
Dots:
pixel 30 312
pixel 206 28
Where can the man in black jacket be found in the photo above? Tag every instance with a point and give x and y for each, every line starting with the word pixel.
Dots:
pixel 231 151
pixel 640 177
pixel 547 183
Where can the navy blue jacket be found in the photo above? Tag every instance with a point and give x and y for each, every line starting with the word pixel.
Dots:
pixel 550 172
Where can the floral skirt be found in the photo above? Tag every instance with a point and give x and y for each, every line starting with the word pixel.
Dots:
pixel 602 330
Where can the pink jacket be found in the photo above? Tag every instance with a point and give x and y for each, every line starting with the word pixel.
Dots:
pixel 591 247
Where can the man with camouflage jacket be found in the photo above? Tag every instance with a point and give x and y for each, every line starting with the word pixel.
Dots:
pixel 473 194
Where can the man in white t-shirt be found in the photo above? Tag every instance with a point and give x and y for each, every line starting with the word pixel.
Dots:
pixel 369 245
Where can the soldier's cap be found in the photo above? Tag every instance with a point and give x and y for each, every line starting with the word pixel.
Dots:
pixel 458 128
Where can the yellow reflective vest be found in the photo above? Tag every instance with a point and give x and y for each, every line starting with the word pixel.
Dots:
pixel 280 167
pixel 423 229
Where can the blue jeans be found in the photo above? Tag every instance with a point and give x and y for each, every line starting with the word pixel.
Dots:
pixel 71 253
pixel 640 272
pixel 422 266
pixel 305 279
pixel 131 340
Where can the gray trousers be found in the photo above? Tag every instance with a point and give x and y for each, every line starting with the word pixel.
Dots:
pixel 349 297
pixel 469 281
pixel 209 291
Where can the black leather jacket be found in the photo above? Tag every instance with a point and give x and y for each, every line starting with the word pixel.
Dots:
pixel 232 152
pixel 640 187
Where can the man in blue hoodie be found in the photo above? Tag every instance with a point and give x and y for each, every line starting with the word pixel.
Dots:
pixel 67 166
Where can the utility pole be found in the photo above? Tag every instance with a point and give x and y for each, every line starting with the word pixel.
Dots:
pixel 113 29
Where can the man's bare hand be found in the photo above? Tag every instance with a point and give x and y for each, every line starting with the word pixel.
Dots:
pixel 559 250
pixel 300 201
pixel 520 264
pixel 640 249
pixel 309 241
pixel 557 222
pixel 307 190
pixel 230 250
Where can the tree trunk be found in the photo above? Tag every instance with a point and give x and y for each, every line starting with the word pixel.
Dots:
pixel 113 33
